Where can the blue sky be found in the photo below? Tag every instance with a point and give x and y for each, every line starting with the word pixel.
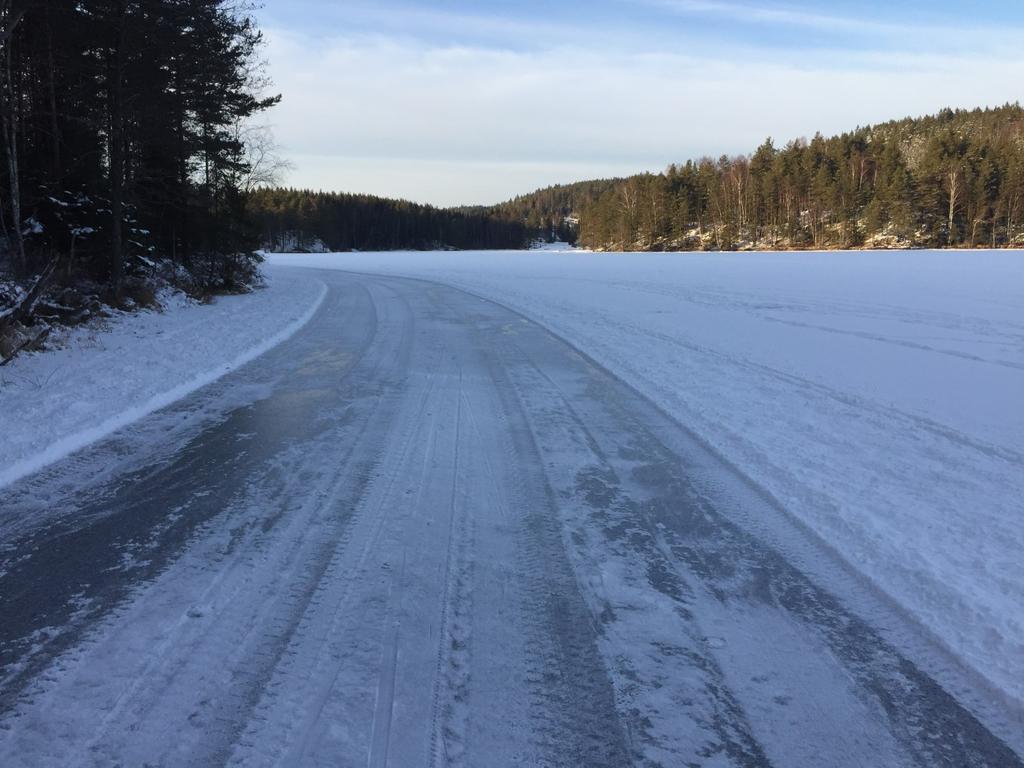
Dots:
pixel 472 102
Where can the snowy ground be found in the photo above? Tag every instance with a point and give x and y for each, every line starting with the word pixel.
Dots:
pixel 108 375
pixel 876 396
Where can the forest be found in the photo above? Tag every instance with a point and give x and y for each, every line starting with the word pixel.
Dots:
pixel 125 129
pixel 302 220
pixel 955 179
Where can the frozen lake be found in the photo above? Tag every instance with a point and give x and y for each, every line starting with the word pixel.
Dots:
pixel 877 396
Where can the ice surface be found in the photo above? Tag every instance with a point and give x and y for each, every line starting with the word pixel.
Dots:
pixel 879 397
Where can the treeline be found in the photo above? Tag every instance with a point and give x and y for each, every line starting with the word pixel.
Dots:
pixel 302 220
pixel 952 180
pixel 552 214
pixel 123 136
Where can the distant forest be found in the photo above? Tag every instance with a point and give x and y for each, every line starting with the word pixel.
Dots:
pixel 955 179
pixel 302 220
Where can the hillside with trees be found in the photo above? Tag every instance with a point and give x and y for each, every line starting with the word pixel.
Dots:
pixel 952 180
pixel 551 214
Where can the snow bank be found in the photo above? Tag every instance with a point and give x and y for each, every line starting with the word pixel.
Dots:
pixel 101 379
pixel 878 396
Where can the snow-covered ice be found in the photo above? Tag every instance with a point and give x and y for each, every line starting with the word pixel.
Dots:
pixel 879 397
pixel 103 378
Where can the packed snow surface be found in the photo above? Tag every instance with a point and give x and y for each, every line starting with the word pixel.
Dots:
pixel 105 376
pixel 879 397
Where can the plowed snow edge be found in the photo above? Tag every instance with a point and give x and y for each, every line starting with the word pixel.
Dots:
pixel 150 402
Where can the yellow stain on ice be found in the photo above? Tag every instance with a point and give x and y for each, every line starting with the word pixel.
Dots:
pixel 327 360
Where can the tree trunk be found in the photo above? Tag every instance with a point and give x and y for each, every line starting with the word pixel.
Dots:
pixel 9 129
pixel 25 307
pixel 56 171
pixel 14 16
pixel 1011 210
pixel 117 155
pixel 954 191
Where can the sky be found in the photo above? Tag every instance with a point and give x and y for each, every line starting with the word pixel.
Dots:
pixel 456 102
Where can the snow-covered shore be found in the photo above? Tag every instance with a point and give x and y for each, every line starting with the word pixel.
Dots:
pixel 102 378
pixel 879 397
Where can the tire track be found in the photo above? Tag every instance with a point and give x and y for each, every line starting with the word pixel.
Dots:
pixel 574 718
pixel 705 700
pixel 451 607
pixel 304 564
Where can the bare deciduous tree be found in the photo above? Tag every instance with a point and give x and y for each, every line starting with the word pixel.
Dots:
pixel 266 167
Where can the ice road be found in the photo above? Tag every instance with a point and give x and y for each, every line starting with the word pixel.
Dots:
pixel 426 531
